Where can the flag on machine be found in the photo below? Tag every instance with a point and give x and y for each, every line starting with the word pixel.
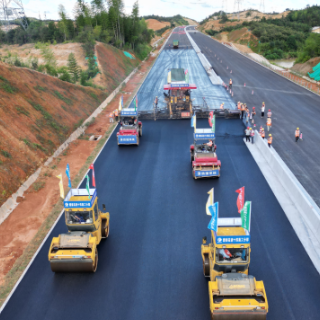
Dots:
pixel 240 199
pixel 121 103
pixel 246 216
pixel 213 121
pixel 61 186
pixel 214 210
pixel 186 76
pixel 88 186
pixel 210 201
pixel 135 103
pixel 93 175
pixel 68 175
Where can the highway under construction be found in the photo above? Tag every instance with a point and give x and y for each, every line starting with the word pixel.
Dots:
pixel 150 267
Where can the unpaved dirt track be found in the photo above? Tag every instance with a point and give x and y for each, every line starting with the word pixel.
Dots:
pixel 291 106
pixel 150 267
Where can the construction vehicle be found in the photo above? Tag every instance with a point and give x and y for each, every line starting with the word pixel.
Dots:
pixel 130 127
pixel 233 294
pixel 204 160
pixel 175 44
pixel 76 251
pixel 178 97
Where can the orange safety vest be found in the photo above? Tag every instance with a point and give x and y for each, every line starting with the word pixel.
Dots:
pixel 269 122
pixel 221 106
pixel 297 133
pixel 270 140
pixel 116 113
pixel 111 115
pixel 209 143
pixel 239 106
pixel 230 82
pixel 263 134
pixel 243 108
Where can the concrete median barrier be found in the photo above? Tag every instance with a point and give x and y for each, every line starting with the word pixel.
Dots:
pixel 300 209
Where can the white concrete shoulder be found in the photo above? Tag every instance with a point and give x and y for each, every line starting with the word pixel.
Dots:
pixel 299 207
pixel 214 78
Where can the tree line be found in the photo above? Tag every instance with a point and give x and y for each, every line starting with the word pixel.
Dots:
pixel 98 20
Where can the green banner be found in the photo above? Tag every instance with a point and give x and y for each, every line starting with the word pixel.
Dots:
pixel 246 215
pixel 213 129
pixel 87 186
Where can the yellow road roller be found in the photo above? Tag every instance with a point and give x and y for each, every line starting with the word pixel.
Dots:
pixel 76 251
pixel 233 293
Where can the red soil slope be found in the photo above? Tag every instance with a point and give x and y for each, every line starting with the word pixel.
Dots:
pixel 37 114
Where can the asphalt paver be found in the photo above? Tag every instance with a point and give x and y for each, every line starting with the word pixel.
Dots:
pixel 150 267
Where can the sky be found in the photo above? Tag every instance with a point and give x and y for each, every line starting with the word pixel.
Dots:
pixel 193 9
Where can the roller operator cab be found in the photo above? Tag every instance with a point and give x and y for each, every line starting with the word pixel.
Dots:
pixel 204 160
pixel 233 293
pixel 175 44
pixel 178 98
pixel 76 251
pixel 130 127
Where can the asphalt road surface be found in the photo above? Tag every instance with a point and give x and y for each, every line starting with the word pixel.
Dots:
pixel 182 58
pixel 150 267
pixel 291 106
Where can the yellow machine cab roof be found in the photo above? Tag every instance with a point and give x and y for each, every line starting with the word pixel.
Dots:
pixel 79 198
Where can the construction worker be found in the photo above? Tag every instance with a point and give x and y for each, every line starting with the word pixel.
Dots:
pixel 269 123
pixel 297 134
pixel 243 109
pixel 252 135
pixel 210 144
pixel 262 109
pixel 116 114
pixel 253 111
pixel 270 140
pixel 247 133
pixel 230 84
pixel 111 117
pixel 269 114
pixel 263 134
pixel 260 130
pixel 156 101
pixel 221 105
pixel 239 105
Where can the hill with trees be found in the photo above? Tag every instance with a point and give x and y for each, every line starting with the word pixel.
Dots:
pixel 288 36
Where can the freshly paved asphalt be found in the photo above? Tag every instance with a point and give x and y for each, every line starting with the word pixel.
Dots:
pixel 291 106
pixel 150 267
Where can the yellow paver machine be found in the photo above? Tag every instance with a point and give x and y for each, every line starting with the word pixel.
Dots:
pixel 233 293
pixel 76 251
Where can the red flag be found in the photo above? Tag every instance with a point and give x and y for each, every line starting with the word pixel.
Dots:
pixel 210 118
pixel 240 200
pixel 93 175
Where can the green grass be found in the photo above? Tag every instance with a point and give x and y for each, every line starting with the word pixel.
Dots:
pixel 6 154
pixel 38 185
pixel 39 88
pixel 61 97
pixel 22 110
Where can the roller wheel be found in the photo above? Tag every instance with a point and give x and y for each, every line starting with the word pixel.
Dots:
pixel 138 140
pixel 191 157
pixel 140 131
pixel 193 174
pixel 104 229
pixel 206 266
pixel 95 263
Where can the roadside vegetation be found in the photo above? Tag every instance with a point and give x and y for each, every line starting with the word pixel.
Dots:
pixel 286 37
pixel 175 21
pixel 93 22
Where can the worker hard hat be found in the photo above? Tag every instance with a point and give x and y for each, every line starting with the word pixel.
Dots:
pixel 262 102
pixel 253 107
pixel 297 128
pixel 270 135
pixel 263 129
pixel 248 128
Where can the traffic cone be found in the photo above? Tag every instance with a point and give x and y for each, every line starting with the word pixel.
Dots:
pixel 244 84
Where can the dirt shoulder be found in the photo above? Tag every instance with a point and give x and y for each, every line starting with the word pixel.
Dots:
pixel 24 230
pixel 157 25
